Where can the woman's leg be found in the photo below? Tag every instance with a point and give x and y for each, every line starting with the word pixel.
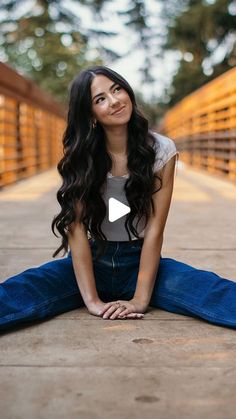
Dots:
pixel 183 289
pixel 39 292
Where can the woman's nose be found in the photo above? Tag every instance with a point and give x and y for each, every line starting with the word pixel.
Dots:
pixel 113 100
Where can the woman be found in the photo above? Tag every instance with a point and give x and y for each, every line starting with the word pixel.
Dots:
pixel 114 268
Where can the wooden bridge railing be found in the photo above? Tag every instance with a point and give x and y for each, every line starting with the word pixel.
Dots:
pixel 31 128
pixel 203 125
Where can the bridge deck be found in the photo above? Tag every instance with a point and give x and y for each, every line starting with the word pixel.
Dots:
pixel 79 366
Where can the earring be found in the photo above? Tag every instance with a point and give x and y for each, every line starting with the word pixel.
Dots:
pixel 94 124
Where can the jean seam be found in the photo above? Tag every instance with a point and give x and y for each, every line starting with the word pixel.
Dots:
pixel 184 305
pixel 32 308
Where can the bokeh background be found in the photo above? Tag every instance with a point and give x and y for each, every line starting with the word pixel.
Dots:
pixel 178 55
pixel 166 49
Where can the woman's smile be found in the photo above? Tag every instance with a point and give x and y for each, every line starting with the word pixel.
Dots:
pixel 118 111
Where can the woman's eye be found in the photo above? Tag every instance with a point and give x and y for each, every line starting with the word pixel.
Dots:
pixel 100 98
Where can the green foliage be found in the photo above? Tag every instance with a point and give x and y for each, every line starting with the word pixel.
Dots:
pixel 47 44
pixel 188 77
pixel 50 43
pixel 197 32
pixel 152 110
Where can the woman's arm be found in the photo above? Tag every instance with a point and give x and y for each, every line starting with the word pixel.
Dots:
pixel 151 249
pixel 83 268
pixel 82 263
pixel 153 237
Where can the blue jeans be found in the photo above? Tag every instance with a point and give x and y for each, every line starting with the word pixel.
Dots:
pixel 51 289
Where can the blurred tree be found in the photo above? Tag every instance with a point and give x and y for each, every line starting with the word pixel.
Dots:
pixel 136 16
pixel 149 31
pixel 152 110
pixel 48 42
pixel 201 31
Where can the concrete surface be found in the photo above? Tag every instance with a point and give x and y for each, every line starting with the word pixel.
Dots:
pixel 80 366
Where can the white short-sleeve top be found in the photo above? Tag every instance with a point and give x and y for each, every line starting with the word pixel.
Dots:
pixel 114 188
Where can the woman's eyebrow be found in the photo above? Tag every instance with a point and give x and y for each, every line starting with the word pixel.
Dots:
pixel 102 93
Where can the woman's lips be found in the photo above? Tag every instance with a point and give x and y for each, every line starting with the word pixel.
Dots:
pixel 118 111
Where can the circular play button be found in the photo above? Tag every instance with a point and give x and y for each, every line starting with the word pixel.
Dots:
pixel 116 209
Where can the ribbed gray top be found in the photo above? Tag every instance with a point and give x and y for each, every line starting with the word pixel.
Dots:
pixel 115 231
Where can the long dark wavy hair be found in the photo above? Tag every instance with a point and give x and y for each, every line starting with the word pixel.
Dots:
pixel 86 163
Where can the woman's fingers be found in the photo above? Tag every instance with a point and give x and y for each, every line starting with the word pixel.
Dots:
pixel 120 311
pixel 131 316
pixel 109 308
pixel 135 315
pixel 113 311
pixel 116 309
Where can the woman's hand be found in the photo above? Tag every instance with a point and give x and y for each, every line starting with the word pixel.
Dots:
pixel 122 309
pixel 96 308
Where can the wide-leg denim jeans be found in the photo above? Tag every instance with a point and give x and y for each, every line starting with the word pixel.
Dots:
pixel 51 289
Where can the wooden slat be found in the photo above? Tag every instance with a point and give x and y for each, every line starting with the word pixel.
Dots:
pixel 31 128
pixel 203 125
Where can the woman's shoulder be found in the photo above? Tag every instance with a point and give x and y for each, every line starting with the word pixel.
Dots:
pixel 165 149
pixel 164 143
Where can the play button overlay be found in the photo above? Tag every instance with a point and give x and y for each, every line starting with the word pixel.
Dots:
pixel 116 209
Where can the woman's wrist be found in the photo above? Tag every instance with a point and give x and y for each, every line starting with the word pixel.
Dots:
pixel 141 302
pixel 92 302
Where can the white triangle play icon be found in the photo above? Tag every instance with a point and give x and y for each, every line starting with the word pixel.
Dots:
pixel 116 209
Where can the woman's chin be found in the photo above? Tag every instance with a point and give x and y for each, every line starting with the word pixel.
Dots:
pixel 119 121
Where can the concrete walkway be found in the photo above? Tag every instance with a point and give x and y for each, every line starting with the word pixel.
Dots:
pixel 77 366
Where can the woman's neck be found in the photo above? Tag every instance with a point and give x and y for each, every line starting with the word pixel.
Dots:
pixel 116 139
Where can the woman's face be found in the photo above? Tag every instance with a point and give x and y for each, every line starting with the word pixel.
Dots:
pixel 111 104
